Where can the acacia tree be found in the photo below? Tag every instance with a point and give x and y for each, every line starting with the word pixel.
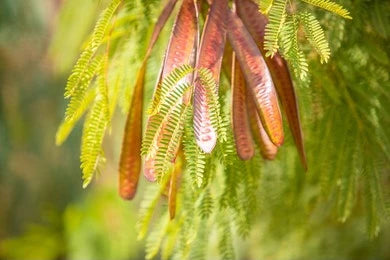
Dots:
pixel 215 120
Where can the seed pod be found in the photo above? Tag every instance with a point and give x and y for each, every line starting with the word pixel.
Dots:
pixel 241 128
pixel 257 77
pixel 267 149
pixel 255 22
pixel 210 57
pixel 130 160
pixel 181 50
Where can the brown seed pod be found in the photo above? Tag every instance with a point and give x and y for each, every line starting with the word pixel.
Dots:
pixel 181 50
pixel 210 57
pixel 241 128
pixel 255 22
pixel 267 149
pixel 257 77
pixel 130 160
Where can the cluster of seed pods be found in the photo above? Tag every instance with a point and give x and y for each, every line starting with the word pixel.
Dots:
pixel 231 38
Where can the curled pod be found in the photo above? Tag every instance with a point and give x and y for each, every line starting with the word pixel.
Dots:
pixel 257 77
pixel 267 149
pixel 209 57
pixel 181 50
pixel 241 128
pixel 255 22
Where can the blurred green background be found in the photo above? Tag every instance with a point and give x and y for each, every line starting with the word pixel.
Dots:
pixel 44 212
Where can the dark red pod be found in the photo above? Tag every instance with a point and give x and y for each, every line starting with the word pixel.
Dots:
pixel 241 128
pixel 130 160
pixel 257 77
pixel 255 22
pixel 181 50
pixel 267 149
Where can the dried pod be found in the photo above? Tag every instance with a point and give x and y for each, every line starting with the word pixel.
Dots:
pixel 181 50
pixel 257 77
pixel 209 57
pixel 130 160
pixel 267 149
pixel 241 128
pixel 255 22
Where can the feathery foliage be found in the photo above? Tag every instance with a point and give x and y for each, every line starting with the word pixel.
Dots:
pixel 330 6
pixel 277 17
pixel 344 113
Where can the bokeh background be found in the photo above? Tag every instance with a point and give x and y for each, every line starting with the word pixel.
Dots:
pixel 44 212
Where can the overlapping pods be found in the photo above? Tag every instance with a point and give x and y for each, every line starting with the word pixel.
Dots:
pixel 258 78
pixel 255 22
pixel 209 57
pixel 181 50
pixel 130 160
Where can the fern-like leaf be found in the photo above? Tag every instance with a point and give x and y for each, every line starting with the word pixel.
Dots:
pixel 167 85
pixel 82 70
pixel 92 139
pixel 277 17
pixel 77 112
pixel 315 35
pixel 330 6
pixel 153 242
pixel 265 6
pixel 291 50
pixel 170 141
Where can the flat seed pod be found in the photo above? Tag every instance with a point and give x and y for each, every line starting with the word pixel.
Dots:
pixel 181 50
pixel 255 22
pixel 241 128
pixel 257 77
pixel 130 160
pixel 209 57
pixel 267 149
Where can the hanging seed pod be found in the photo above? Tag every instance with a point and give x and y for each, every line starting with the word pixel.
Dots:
pixel 255 22
pixel 181 50
pixel 241 128
pixel 130 160
pixel 210 57
pixel 267 149
pixel 257 77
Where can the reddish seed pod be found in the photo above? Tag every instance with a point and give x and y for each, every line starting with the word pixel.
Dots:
pixel 210 57
pixel 257 77
pixel 130 160
pixel 241 128
pixel 181 50
pixel 267 149
pixel 255 22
